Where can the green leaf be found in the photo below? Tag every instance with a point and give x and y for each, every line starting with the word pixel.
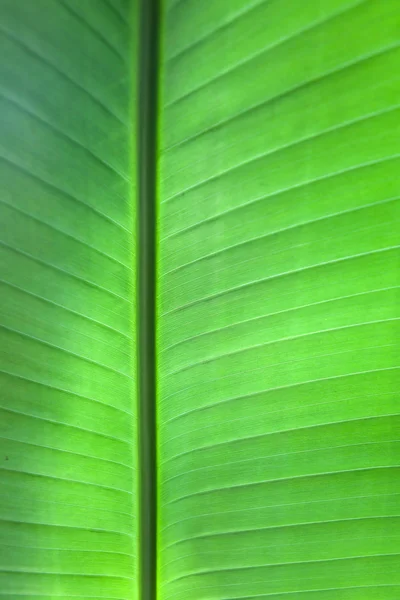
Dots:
pixel 272 168
pixel 68 502
pixel 278 283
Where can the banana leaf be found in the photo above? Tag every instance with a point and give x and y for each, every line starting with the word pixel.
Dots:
pixel 199 304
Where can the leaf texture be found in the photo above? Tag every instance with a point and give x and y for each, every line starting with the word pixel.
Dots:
pixel 278 301
pixel 277 307
pixel 68 504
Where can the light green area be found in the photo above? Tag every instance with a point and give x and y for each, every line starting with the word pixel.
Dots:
pixel 68 502
pixel 278 300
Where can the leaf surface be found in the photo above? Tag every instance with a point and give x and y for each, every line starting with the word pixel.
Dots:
pixel 68 459
pixel 278 300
